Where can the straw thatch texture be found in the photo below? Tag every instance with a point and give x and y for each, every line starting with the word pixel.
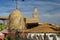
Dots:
pixel 16 21
pixel 42 28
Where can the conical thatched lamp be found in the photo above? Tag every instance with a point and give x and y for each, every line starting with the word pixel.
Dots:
pixel 16 21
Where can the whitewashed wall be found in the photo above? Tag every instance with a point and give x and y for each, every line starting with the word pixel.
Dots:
pixel 41 36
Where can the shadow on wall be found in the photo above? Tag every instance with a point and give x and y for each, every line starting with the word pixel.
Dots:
pixel 31 25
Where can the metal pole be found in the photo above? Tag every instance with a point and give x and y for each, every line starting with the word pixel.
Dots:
pixel 44 36
pixel 16 4
pixel 4 22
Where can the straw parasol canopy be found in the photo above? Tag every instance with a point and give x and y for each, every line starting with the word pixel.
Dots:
pixel 5 31
pixel 44 28
pixel 16 21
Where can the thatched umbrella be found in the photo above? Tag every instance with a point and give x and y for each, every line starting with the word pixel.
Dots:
pixel 16 21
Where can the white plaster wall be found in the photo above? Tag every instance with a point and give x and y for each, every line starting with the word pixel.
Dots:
pixel 42 34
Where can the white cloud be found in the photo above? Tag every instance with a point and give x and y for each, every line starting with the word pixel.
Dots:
pixel 4 14
pixel 54 19
pixel 27 9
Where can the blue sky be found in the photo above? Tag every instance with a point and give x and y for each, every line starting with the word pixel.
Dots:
pixel 48 10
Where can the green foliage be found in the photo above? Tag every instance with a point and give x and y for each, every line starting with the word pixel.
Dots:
pixel 6 38
pixel 2 27
pixel 13 38
pixel 10 38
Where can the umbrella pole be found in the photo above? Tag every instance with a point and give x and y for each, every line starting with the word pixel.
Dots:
pixel 44 36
